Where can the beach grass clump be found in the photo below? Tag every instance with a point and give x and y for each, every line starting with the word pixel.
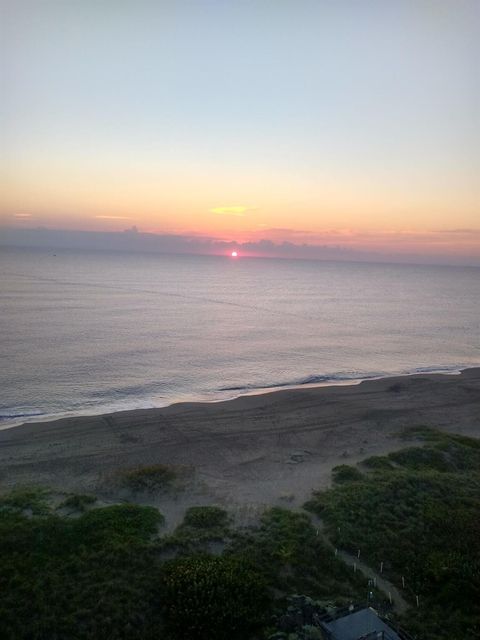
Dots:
pixel 457 438
pixel 151 478
pixel 29 499
pixel 77 502
pixel 209 517
pixel 421 432
pixel 380 463
pixel 346 473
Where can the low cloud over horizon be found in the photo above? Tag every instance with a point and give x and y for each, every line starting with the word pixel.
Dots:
pixel 430 247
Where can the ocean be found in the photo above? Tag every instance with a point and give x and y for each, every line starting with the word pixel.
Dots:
pixel 92 332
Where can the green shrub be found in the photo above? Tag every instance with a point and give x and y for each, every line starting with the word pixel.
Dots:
pixel 465 441
pixel 417 458
pixel 206 517
pixel 64 578
pixel 119 524
pixel 201 527
pixel 444 452
pixel 151 478
pixel 33 499
pixel 211 598
pixel 292 555
pixel 345 473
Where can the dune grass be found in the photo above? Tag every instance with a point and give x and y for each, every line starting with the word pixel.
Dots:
pixel 154 478
pixel 417 511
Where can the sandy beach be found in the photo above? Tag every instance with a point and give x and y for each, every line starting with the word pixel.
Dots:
pixel 244 453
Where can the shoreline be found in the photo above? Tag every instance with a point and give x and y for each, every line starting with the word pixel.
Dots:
pixel 244 454
pixel 244 392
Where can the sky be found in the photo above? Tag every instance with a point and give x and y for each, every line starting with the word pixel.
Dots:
pixel 346 123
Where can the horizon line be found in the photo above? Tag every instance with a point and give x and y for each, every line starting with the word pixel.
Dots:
pixel 64 239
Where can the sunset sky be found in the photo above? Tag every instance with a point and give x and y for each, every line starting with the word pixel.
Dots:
pixel 353 123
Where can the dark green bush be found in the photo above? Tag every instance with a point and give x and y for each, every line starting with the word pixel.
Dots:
pixel 346 473
pixel 33 499
pixel 206 517
pixel 150 478
pixel 88 578
pixel 119 523
pixel 418 458
pixel 212 598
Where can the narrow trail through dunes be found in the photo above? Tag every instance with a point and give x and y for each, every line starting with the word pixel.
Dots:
pixel 400 605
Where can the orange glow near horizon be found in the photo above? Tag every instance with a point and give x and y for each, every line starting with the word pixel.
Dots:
pixel 285 208
pixel 397 234
pixel 301 138
pixel 335 202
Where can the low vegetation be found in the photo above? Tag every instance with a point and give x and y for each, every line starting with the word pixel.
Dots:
pixel 417 511
pixel 151 478
pixel 295 559
pixel 203 530
pixel 73 570
pixel 207 598
pixel 27 500
pixel 85 578
pixel 206 518
pixel 345 473
pixel 77 503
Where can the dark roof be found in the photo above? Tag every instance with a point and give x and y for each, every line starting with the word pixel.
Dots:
pixel 359 624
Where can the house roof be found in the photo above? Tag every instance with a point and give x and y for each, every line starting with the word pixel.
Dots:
pixel 360 624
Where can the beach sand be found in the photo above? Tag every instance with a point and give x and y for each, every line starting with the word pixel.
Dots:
pixel 242 454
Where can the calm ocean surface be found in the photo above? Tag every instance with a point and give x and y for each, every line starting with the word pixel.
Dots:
pixel 97 332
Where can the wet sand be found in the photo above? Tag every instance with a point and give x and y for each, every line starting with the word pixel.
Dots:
pixel 244 453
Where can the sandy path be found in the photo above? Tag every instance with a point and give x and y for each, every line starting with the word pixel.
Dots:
pixel 249 452
pixel 400 605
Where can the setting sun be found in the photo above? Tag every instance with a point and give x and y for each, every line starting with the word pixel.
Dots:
pixel 234 254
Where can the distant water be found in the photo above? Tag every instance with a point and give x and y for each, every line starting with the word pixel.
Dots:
pixel 99 332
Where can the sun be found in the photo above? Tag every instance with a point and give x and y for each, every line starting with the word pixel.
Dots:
pixel 234 254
